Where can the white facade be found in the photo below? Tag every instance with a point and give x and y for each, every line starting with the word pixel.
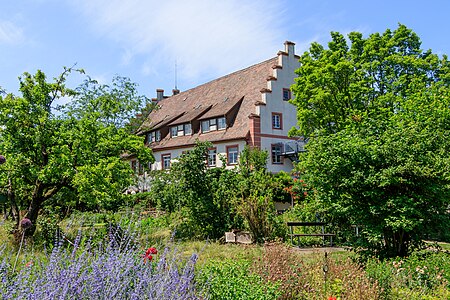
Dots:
pixel 261 114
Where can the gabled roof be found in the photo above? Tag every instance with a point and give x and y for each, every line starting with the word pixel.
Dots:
pixel 213 99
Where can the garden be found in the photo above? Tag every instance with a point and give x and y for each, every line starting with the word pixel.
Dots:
pixel 375 115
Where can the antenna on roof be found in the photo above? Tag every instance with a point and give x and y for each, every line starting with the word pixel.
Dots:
pixel 176 74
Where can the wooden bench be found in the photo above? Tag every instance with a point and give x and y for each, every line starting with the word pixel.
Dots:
pixel 310 224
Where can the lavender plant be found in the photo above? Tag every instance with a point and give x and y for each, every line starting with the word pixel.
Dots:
pixel 116 270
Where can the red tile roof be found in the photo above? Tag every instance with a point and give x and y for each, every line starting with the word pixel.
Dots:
pixel 221 95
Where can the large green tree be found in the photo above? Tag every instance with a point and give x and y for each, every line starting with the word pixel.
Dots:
pixel 70 152
pixel 377 113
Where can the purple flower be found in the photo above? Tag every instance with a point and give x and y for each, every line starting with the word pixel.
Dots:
pixel 2 159
pixel 25 223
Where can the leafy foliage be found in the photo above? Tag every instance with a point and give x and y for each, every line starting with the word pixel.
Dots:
pixel 67 154
pixel 231 279
pixel 377 114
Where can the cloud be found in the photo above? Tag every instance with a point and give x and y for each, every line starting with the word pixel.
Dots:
pixel 205 37
pixel 10 33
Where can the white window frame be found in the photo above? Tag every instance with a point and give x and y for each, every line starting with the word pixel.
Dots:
pixel 232 154
pixel 174 131
pixel 212 157
pixel 188 129
pixel 276 121
pixel 221 123
pixel 180 130
pixel 205 126
pixel 165 161
pixel 213 125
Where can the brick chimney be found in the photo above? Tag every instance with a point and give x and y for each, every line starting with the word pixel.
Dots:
pixel 175 91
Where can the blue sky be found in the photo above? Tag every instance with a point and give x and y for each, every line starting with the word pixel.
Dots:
pixel 143 39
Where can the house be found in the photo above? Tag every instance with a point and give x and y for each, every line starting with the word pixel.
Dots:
pixel 247 107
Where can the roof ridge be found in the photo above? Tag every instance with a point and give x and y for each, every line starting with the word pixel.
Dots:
pixel 228 75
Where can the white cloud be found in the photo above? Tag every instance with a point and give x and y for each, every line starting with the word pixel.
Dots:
pixel 10 33
pixel 205 37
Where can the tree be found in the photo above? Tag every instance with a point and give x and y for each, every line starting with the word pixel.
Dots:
pixel 70 152
pixel 377 114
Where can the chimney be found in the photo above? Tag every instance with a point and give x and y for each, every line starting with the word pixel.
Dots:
pixel 289 48
pixel 175 91
pixel 159 94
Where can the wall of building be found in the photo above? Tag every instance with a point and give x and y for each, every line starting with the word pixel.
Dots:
pixel 283 78
pixel 221 150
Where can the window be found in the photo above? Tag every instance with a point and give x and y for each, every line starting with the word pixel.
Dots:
pixel 150 137
pixel 180 129
pixel 277 122
pixel 212 124
pixel 154 136
pixel 276 154
pixel 141 168
pixel 286 94
pixel 188 129
pixel 232 155
pixel 165 161
pixel 205 126
pixel 212 157
pixel 221 123
pixel 174 131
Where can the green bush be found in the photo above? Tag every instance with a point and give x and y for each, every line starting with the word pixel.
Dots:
pixel 424 273
pixel 232 279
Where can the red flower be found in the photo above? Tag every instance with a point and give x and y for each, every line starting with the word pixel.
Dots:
pixel 151 250
pixel 148 256
pixel 331 298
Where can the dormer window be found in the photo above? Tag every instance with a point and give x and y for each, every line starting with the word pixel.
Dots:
pixel 205 126
pixel 154 136
pixel 221 123
pixel 174 131
pixel 180 130
pixel 214 124
pixel 188 129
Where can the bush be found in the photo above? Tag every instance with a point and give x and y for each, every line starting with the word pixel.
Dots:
pixel 304 278
pixel 232 279
pixel 424 273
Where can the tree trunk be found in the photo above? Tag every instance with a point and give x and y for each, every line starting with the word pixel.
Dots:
pixel 35 205
pixel 12 200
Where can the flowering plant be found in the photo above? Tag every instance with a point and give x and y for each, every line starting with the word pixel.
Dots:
pixel 148 254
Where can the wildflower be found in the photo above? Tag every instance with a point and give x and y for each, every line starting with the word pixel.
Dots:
pixel 151 250
pixel 331 298
pixel 148 254
pixel 29 264
pixel 2 159
pixel 25 223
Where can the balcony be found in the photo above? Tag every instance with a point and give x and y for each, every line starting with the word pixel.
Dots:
pixel 291 149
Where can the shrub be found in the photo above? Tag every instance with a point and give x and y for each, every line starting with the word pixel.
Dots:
pixel 424 273
pixel 304 278
pixel 232 279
